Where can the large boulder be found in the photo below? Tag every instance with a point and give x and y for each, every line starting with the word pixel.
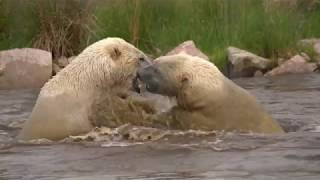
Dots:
pixel 308 42
pixel 312 44
pixel 24 68
pixel 242 63
pixel 190 48
pixel 295 65
pixel 317 51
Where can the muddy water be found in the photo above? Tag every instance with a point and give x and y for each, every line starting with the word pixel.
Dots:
pixel 293 100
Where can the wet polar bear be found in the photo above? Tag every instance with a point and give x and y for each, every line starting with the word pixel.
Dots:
pixel 65 102
pixel 207 100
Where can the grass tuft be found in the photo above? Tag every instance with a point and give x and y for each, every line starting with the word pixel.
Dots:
pixel 63 26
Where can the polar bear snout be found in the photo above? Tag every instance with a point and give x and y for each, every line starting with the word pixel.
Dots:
pixel 150 77
pixel 143 62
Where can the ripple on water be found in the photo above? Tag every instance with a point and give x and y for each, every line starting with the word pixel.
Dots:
pixel 293 99
pixel 142 153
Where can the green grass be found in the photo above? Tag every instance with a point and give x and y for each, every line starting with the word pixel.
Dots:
pixel 156 26
pixel 59 26
pixel 17 25
pixel 212 24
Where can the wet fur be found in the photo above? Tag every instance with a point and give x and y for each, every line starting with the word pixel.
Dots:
pixel 207 100
pixel 65 102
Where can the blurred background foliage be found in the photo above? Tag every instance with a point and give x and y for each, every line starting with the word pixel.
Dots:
pixel 270 28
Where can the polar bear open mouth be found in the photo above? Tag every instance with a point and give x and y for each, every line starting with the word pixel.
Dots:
pixel 139 86
pixel 136 84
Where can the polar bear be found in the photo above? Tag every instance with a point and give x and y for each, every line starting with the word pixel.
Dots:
pixel 207 100
pixel 64 105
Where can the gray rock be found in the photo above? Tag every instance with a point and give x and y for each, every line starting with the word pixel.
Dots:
pixel 189 48
pixel 55 69
pixel 62 61
pixel 281 61
pixel 317 47
pixel 305 56
pixel 295 65
pixel 244 64
pixel 308 42
pixel 258 74
pixel 24 68
pixel 317 51
pixel 314 44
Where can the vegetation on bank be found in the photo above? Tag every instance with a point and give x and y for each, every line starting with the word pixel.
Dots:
pixel 65 27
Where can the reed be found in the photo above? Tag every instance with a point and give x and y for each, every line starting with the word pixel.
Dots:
pixel 213 24
pixel 59 26
pixel 65 27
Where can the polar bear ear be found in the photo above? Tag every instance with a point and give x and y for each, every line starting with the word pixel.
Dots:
pixel 115 53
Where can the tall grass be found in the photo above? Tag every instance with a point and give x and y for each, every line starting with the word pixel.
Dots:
pixel 63 26
pixel 3 22
pixel 212 24
pixel 67 26
pixel 17 25
pixel 59 26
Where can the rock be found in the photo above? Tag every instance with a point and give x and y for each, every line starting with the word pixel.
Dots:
pixel 318 68
pixel 190 48
pixel 317 47
pixel 24 68
pixel 281 61
pixel 317 51
pixel 295 65
pixel 244 64
pixel 305 56
pixel 308 42
pixel 312 44
pixel 258 74
pixel 55 68
pixel 62 61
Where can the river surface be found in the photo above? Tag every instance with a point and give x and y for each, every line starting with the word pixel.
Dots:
pixel 293 100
